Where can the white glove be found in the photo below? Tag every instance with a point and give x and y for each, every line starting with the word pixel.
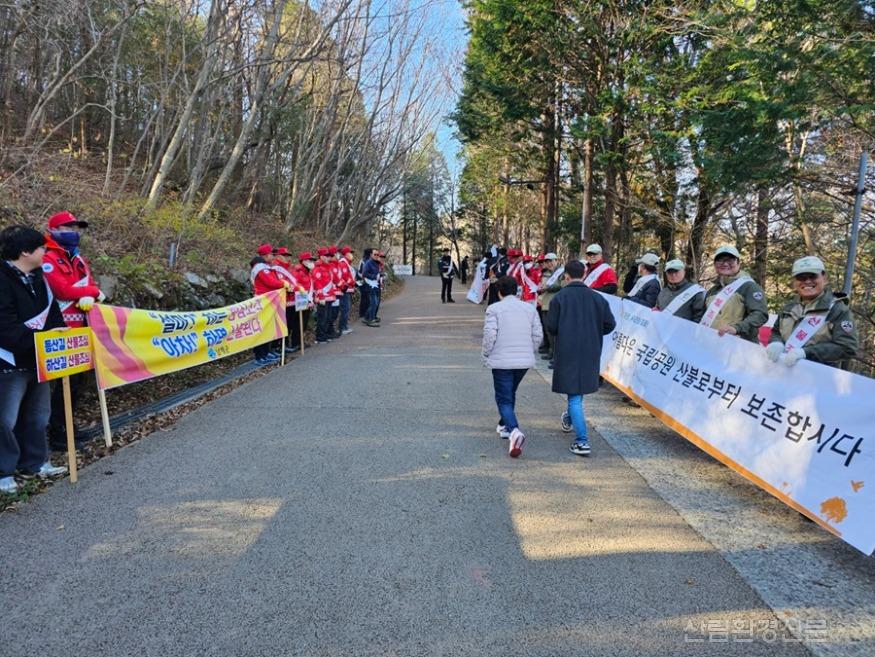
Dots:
pixel 774 351
pixel 85 303
pixel 101 297
pixel 793 356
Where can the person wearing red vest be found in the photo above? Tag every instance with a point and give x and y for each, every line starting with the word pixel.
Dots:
pixel 282 264
pixel 302 274
pixel 530 279
pixel 515 269
pixel 348 275
pixel 69 277
pixel 339 287
pixel 606 279
pixel 264 278
pixel 324 294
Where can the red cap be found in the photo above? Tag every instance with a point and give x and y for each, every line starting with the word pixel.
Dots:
pixel 265 249
pixel 305 255
pixel 322 251
pixel 527 258
pixel 63 219
pixel 282 251
pixel 541 257
pixel 347 249
pixel 332 250
pixel 514 253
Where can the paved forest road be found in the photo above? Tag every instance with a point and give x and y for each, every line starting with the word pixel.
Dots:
pixel 358 502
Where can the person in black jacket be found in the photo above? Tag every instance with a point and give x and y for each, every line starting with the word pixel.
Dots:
pixel 578 319
pixel 26 306
pixel 647 285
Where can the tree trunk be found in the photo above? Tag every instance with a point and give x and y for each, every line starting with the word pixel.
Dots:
pixel 586 211
pixel 761 240
pixel 697 232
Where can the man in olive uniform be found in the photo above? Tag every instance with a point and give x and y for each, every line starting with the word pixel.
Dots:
pixel 735 304
pixel 680 297
pixel 817 324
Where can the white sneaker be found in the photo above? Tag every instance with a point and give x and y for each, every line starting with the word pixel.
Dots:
pixel 515 444
pixel 48 470
pixel 8 485
pixel 502 431
pixel 346 331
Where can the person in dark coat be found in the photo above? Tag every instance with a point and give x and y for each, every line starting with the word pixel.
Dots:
pixel 647 286
pixel 578 319
pixel 463 270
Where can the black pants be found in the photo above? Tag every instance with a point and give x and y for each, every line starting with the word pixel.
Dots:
pixel 464 277
pixel 323 322
pixel 446 289
pixel 333 314
pixel 546 341
pixel 364 300
pixel 262 350
pixel 57 424
pixel 492 294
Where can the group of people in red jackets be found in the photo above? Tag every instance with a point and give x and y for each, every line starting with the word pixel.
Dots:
pixel 328 280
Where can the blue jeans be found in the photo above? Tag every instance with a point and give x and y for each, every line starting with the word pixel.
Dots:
pixel 345 303
pixel 373 303
pixel 24 415
pixel 505 383
pixel 577 415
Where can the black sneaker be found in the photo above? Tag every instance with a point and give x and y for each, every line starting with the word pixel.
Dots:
pixel 581 447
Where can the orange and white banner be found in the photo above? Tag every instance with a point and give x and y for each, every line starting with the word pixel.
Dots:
pixel 800 433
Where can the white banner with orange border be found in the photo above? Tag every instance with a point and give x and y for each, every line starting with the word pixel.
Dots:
pixel 800 434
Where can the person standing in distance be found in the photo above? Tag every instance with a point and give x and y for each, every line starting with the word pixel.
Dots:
pixel 578 320
pixel 817 325
pixel 464 266
pixel 511 333
pixel 647 287
pixel 599 275
pixel 448 271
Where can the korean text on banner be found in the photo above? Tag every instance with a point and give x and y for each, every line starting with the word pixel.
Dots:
pixel 63 352
pixel 133 345
pixel 801 434
pixel 302 301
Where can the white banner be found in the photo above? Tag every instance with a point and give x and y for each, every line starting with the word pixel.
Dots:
pixel 800 433
pixel 403 270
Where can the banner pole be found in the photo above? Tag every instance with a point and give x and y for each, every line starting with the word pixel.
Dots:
pixel 283 353
pixel 104 416
pixel 68 420
pixel 301 324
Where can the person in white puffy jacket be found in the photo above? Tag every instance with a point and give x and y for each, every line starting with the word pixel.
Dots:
pixel 511 335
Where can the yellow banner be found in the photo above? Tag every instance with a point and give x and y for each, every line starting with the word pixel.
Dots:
pixel 133 345
pixel 63 352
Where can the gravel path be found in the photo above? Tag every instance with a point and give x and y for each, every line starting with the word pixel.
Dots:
pixel 358 502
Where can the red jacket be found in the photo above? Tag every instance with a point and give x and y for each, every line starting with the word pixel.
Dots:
pixel 607 277
pixel 265 279
pixel 534 275
pixel 70 279
pixel 348 271
pixel 302 275
pixel 337 268
pixel 324 290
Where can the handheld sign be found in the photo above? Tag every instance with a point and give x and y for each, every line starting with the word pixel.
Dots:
pixel 302 301
pixel 60 354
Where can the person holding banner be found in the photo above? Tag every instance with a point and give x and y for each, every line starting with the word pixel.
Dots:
pixel 735 304
pixel 680 297
pixel 480 282
pixel 647 286
pixel 27 305
pixel 599 275
pixel 282 265
pixel 817 325
pixel 498 267
pixel 75 290
pixel 578 319
pixel 264 278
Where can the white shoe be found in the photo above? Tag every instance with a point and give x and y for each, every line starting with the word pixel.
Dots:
pixel 502 431
pixel 346 331
pixel 48 470
pixel 8 485
pixel 515 444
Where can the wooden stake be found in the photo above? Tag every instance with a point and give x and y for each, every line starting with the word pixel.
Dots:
pixel 301 323
pixel 71 440
pixel 104 415
pixel 283 354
